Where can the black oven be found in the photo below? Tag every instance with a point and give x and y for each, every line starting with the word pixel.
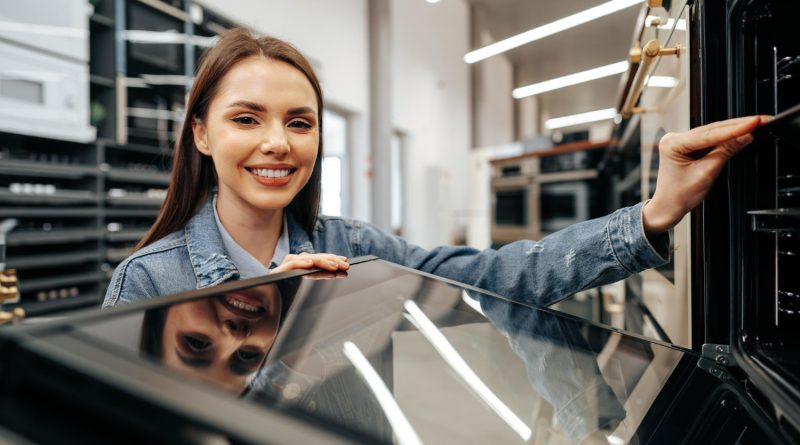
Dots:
pixel 745 269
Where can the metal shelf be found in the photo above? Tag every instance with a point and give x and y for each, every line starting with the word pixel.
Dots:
pixel 131 213
pixel 51 260
pixel 126 235
pixel 34 284
pixel 44 169
pixel 775 220
pixel 135 199
pixel 59 197
pixel 55 236
pixel 174 12
pixel 102 20
pixel 45 212
pixel 37 308
pixel 118 255
pixel 139 177
pixel 97 79
pixel 576 175
pixel 140 148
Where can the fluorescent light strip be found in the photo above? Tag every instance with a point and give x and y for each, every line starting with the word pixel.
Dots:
pixel 582 118
pixel 668 25
pixel 402 427
pixel 571 79
pixel 549 29
pixel 457 363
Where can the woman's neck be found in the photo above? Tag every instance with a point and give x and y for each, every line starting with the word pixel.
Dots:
pixel 256 230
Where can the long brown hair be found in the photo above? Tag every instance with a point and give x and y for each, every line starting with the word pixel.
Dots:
pixel 193 174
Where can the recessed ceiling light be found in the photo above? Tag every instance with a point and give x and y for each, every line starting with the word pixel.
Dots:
pixel 572 79
pixel 549 29
pixel 581 118
pixel 432 1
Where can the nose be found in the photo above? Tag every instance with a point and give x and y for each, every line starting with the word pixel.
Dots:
pixel 274 140
pixel 238 327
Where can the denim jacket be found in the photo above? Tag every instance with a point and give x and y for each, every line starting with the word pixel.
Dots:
pixel 584 255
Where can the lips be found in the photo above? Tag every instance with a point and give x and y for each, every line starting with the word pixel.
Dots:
pixel 242 305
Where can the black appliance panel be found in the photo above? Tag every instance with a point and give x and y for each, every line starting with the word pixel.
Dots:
pixel 531 365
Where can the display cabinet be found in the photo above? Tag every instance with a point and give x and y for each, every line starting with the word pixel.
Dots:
pixel 81 206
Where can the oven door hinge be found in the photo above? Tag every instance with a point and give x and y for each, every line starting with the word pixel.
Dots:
pixel 716 359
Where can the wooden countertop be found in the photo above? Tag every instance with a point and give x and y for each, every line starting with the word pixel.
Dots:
pixel 559 149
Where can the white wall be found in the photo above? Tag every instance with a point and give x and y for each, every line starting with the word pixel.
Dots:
pixel 430 94
pixel 431 103
pixel 494 80
pixel 334 35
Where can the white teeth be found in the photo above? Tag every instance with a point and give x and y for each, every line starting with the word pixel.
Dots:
pixel 268 173
pixel 241 305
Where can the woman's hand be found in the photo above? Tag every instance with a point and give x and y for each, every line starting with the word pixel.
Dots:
pixel 685 174
pixel 324 261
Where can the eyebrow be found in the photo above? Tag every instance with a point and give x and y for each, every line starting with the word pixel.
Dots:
pixel 249 105
pixel 258 108
pixel 194 362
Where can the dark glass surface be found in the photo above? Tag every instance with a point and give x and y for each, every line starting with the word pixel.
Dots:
pixel 393 354
pixel 512 207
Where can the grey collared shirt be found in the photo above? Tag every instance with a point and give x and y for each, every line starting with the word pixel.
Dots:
pixel 246 263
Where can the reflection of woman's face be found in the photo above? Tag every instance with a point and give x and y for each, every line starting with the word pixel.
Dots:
pixel 222 339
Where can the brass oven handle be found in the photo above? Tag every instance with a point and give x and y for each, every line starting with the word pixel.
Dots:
pixel 646 56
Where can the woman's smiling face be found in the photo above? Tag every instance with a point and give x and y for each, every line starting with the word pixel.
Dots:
pixel 262 133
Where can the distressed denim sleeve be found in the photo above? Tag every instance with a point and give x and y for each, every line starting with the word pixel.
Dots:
pixel 584 255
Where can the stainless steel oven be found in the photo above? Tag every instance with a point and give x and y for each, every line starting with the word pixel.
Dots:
pixel 514 201
pixel 563 204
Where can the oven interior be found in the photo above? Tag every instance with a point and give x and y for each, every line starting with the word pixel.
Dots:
pixel 764 193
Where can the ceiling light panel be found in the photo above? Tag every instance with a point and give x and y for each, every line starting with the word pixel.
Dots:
pixel 572 79
pixel 582 118
pixel 549 29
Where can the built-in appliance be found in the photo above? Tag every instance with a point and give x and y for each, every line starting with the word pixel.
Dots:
pixel 44 77
pixel 543 191
pixel 384 354
pixel 514 200
pixel 746 60
pixel 563 204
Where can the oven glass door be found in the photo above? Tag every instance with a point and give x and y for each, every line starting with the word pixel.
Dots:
pixel 563 204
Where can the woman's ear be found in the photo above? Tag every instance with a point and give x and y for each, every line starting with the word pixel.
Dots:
pixel 200 136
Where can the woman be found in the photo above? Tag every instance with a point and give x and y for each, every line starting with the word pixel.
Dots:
pixel 245 191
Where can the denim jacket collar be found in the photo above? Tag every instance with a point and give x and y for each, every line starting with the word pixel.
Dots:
pixel 207 253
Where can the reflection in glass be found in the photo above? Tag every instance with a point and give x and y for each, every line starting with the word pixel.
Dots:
pixel 400 356
pixel 223 340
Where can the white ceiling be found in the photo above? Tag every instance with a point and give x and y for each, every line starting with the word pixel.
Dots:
pixel 600 42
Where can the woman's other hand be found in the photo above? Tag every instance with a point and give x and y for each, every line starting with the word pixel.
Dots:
pixel 324 261
pixel 688 165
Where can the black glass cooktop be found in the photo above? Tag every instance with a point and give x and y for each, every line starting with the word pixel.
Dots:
pixel 381 353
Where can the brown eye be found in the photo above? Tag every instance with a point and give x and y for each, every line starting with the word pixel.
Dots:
pixel 247 356
pixel 300 124
pixel 244 120
pixel 196 344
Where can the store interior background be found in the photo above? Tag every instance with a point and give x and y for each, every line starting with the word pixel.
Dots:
pixel 412 127
pixel 451 116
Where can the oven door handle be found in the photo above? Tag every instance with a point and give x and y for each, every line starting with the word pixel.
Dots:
pixel 648 54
